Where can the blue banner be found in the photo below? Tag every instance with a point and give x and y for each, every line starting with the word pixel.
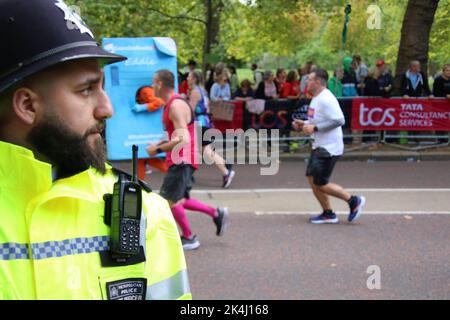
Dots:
pixel 122 80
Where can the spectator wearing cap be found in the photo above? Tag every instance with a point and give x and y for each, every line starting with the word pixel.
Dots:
pixel 385 80
pixel 414 83
pixel 267 89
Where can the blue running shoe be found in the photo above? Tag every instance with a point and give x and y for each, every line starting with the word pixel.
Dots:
pixel 228 178
pixel 356 210
pixel 325 218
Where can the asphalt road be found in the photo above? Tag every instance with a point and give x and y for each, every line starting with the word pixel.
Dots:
pixel 351 174
pixel 270 251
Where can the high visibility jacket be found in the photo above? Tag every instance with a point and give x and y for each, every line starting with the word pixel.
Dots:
pixel 51 236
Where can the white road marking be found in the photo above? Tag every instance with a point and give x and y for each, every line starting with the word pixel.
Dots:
pixel 260 207
pixel 304 213
pixel 228 191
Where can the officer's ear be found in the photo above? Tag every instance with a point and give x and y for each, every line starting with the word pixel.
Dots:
pixel 25 105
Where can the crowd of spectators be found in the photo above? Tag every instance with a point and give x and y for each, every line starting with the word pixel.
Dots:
pixel 352 78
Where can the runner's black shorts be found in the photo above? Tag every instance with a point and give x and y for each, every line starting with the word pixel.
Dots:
pixel 204 141
pixel 177 183
pixel 320 166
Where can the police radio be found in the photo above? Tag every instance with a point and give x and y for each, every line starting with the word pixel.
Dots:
pixel 126 209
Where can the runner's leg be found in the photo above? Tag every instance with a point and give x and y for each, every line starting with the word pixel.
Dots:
pixel 180 217
pixel 195 205
pixel 336 191
pixel 320 196
pixel 218 161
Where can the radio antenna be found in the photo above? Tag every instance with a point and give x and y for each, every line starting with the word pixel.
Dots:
pixel 135 164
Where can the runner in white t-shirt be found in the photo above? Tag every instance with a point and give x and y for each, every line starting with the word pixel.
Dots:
pixel 324 109
pixel 325 119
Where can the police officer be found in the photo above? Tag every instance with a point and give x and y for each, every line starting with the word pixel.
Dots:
pixel 54 242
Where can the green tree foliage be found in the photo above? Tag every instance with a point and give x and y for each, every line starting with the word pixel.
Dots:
pixel 370 43
pixel 182 20
pixel 295 31
pixel 440 37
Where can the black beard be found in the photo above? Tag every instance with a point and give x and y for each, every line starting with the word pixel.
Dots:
pixel 67 150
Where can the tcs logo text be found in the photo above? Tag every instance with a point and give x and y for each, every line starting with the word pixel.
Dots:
pixel 376 116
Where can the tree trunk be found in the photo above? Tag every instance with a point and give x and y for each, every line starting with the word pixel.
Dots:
pixel 213 11
pixel 415 37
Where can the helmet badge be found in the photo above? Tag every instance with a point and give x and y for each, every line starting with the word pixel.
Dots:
pixel 73 18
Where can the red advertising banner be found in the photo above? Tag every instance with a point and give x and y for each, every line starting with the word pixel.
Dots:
pixel 401 114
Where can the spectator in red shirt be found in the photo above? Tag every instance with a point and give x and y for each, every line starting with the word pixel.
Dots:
pixel 183 87
pixel 291 88
pixel 280 79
